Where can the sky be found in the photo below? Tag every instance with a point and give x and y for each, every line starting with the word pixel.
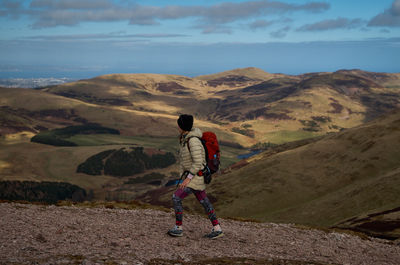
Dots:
pixel 86 38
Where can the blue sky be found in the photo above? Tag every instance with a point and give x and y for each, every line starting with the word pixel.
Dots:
pixel 85 38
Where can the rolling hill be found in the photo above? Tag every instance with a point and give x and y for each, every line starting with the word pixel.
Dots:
pixel 246 106
pixel 250 105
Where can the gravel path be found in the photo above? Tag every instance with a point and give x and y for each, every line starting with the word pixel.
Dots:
pixel 37 234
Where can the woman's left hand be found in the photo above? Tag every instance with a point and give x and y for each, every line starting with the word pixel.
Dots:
pixel 184 183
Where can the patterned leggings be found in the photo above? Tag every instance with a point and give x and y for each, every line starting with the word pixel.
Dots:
pixel 201 196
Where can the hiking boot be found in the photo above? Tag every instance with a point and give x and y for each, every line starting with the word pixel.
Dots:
pixel 175 232
pixel 214 234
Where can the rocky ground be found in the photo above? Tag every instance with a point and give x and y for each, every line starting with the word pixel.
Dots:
pixel 38 234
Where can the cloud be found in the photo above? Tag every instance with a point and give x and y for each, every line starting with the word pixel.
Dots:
pixel 112 35
pixel 53 13
pixel 365 29
pixel 389 18
pixel 66 17
pixel 331 24
pixel 229 12
pixel 281 33
pixel 8 4
pixel 215 29
pixel 10 8
pixel 260 24
pixel 71 4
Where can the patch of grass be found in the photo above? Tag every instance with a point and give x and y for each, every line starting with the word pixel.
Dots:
pixel 99 139
pixel 146 178
pixel 285 136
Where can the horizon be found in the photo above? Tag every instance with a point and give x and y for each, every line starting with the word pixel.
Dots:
pixel 87 38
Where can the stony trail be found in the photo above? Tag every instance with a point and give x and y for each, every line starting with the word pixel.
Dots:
pixel 40 234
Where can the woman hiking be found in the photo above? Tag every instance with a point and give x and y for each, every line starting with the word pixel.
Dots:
pixel 192 160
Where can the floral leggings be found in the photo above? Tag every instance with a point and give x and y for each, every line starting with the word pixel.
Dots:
pixel 201 196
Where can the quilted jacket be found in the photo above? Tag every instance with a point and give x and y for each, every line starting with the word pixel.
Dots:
pixel 193 160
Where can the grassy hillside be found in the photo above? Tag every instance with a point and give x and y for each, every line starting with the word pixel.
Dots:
pixel 322 183
pixel 341 176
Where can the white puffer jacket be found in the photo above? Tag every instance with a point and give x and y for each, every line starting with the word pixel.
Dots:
pixel 195 160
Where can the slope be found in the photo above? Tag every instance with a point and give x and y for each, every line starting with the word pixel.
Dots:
pixel 338 177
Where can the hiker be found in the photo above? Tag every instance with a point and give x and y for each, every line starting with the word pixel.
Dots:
pixel 192 162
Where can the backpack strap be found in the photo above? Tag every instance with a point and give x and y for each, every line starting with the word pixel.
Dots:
pixel 202 143
pixel 206 173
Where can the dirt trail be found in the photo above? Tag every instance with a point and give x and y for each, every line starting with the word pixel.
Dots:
pixel 36 234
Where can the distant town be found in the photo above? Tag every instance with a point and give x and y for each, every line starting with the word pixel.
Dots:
pixel 33 82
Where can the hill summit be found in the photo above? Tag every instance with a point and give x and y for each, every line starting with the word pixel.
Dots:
pixel 248 72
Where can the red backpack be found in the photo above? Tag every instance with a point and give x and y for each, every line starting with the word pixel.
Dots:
pixel 211 147
pixel 212 153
